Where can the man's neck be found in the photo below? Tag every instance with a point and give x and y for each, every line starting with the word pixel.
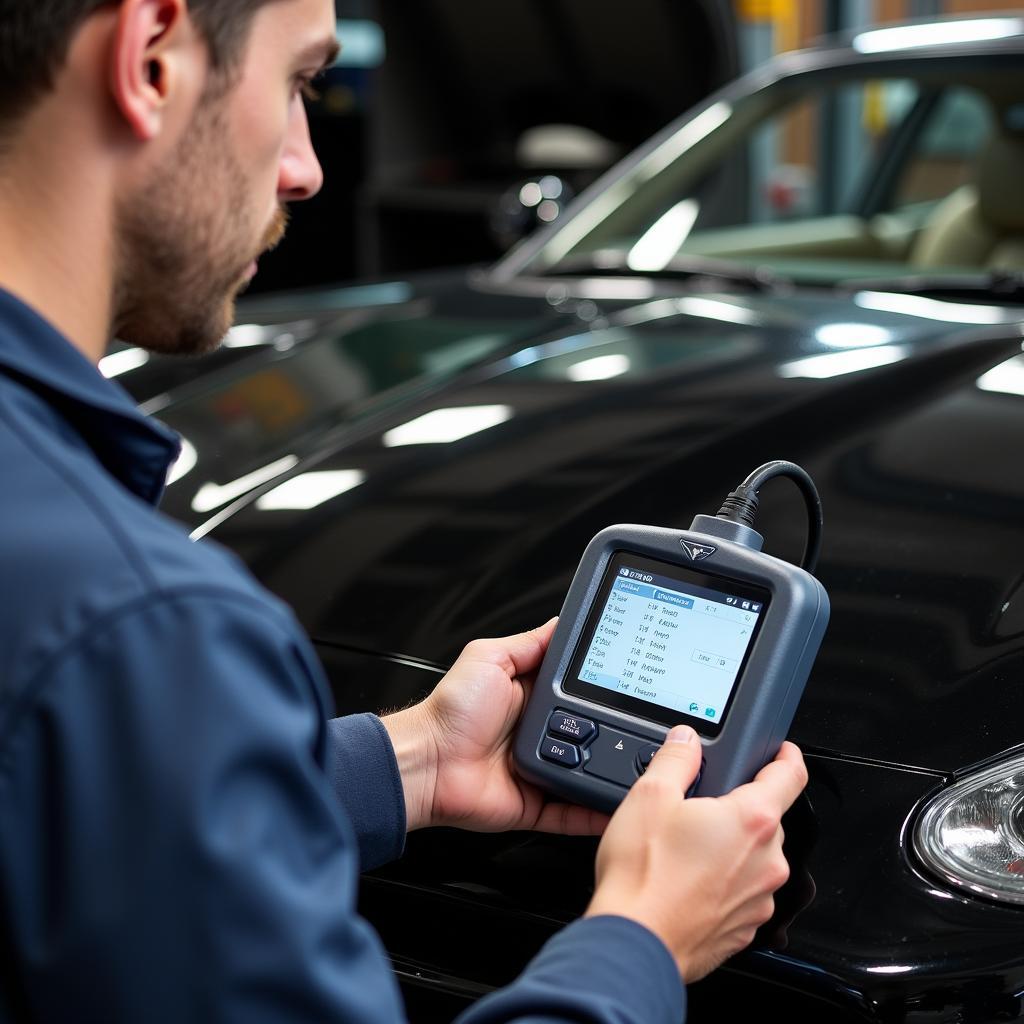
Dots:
pixel 56 237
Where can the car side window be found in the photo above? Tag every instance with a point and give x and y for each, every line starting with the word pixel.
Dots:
pixel 810 158
pixel 814 158
pixel 946 149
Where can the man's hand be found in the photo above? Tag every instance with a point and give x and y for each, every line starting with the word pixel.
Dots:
pixel 454 749
pixel 699 873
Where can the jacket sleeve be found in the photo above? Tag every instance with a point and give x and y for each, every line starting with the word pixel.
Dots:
pixel 362 768
pixel 170 846
pixel 598 970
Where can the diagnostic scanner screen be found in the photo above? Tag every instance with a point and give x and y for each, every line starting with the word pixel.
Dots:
pixel 667 640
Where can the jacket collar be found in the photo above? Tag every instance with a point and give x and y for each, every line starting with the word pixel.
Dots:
pixel 136 450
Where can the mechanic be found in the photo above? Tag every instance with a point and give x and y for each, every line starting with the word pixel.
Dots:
pixel 181 822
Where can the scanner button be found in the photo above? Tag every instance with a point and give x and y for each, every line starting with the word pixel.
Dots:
pixel 613 756
pixel 643 759
pixel 570 727
pixel 560 753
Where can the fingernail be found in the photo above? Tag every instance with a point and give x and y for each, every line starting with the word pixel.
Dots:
pixel 680 734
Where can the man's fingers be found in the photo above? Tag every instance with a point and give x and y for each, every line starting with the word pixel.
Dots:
pixel 678 760
pixel 542 635
pixel 518 654
pixel 780 781
pixel 547 631
pixel 571 820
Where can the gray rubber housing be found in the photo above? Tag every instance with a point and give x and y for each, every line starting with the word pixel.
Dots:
pixel 766 696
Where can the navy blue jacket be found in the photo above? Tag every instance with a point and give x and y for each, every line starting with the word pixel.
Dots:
pixel 182 823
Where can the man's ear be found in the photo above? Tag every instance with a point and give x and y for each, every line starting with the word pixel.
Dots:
pixel 148 62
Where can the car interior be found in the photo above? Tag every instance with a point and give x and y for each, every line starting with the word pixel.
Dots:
pixel 981 224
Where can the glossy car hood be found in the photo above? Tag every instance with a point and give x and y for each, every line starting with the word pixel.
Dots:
pixel 573 414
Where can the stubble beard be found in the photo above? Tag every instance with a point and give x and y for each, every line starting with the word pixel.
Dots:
pixel 185 243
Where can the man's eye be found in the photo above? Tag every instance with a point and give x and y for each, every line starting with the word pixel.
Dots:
pixel 309 90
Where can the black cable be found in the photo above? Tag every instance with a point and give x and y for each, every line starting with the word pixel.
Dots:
pixel 741 505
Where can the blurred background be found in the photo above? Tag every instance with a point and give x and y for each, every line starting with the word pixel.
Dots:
pixel 449 128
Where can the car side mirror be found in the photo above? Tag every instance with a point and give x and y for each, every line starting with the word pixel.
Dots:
pixel 529 204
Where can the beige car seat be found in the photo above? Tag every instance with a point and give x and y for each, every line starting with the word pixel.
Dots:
pixel 981 224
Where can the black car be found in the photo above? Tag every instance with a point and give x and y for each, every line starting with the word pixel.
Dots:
pixel 822 263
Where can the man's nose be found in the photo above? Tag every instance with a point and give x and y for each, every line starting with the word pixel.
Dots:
pixel 301 175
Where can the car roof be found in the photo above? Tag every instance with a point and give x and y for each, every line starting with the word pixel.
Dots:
pixel 924 37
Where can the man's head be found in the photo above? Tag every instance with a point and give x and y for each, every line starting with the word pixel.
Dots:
pixel 199 127
pixel 35 36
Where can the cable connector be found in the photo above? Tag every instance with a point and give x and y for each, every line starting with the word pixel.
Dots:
pixel 740 506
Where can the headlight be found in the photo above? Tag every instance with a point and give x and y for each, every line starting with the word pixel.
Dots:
pixel 972 834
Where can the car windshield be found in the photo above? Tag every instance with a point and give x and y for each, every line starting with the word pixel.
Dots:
pixel 828 176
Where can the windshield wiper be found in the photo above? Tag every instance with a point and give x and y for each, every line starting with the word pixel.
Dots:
pixel 1000 285
pixel 679 268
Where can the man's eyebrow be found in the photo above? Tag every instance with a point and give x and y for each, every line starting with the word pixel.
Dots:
pixel 322 53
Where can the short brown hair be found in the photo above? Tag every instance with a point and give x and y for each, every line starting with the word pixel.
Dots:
pixel 35 36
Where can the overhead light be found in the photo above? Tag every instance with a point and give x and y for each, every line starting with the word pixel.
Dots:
pixel 935 309
pixel 551 186
pixel 253 335
pixel 307 490
pixel 717 309
pixel 835 364
pixel 599 368
pixel 658 245
pixel 852 335
pixel 443 426
pixel 912 37
pixel 531 355
pixel 548 211
pixel 530 194
pixel 122 362
pixel 688 305
pixel 248 335
pixel 211 496
pixel 184 463
pixel 647 312
pixel 611 288
pixel 1007 377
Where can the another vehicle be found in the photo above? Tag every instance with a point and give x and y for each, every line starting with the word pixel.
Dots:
pixel 821 263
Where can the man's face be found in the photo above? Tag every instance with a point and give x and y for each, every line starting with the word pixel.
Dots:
pixel 189 236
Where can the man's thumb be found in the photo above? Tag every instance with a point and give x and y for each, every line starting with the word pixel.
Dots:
pixel 678 760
